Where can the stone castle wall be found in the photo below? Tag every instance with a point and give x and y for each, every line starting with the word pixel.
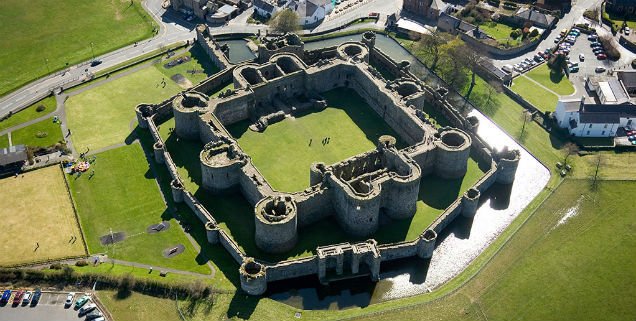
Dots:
pixel 354 190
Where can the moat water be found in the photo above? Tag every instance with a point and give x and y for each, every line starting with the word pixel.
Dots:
pixel 239 52
pixel 458 245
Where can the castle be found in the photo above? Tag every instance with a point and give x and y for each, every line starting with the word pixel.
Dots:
pixel 355 191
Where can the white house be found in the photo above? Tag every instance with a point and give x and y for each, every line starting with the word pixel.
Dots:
pixel 593 120
pixel 311 11
pixel 265 8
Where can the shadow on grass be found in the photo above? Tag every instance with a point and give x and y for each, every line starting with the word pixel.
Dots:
pixel 242 306
pixel 556 77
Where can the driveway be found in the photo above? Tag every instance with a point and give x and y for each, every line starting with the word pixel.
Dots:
pixel 50 308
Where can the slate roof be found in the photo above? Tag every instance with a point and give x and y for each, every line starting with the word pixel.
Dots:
pixel 628 78
pixel 535 16
pixel 263 5
pixel 599 118
pixel 12 154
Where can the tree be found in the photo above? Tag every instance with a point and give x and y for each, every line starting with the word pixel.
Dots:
pixel 452 64
pixel 534 33
pixel 471 58
pixel 525 116
pixel 558 64
pixel 429 45
pixel 595 174
pixel 610 47
pixel 568 150
pixel 285 21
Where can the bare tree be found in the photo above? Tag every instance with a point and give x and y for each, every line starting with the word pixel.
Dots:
pixel 568 150
pixel 472 59
pixel 285 21
pixel 525 116
pixel 595 173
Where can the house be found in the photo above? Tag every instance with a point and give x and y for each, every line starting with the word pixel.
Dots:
pixel 199 8
pixel 593 120
pixel 609 91
pixel 536 17
pixel 410 27
pixel 628 79
pixel 453 25
pixel 265 8
pixel 620 6
pixel 427 9
pixel 13 155
pixel 224 14
pixel 311 12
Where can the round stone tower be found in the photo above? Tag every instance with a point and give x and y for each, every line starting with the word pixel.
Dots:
pixel 426 244
pixel 368 38
pixel 470 202
pixel 158 151
pixel 143 111
pixel 354 51
pixel 276 223
pixel 507 166
pixel 453 151
pixel 402 193
pixel 186 113
pixel 221 163
pixel 316 173
pixel 212 233
pixel 253 277
pixel 177 191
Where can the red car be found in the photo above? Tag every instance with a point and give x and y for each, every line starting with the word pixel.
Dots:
pixel 601 57
pixel 17 299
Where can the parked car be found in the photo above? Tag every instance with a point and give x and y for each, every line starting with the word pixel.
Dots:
pixel 36 297
pixel 87 308
pixel 27 297
pixel 17 299
pixel 93 315
pixel 95 63
pixel 558 38
pixel 6 295
pixel 99 319
pixel 596 44
pixel 81 301
pixel 507 68
pixel 574 69
pixel 592 37
pixel 69 299
pixel 600 69
pixel 598 51
pixel 627 31
pixel 581 57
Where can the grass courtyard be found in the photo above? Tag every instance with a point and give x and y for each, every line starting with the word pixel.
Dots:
pixel 36 208
pixel 499 31
pixel 30 113
pixel 105 115
pixel 40 37
pixel 282 152
pixel 123 196
pixel 357 126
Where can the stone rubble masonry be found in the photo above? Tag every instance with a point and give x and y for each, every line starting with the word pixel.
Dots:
pixel 356 190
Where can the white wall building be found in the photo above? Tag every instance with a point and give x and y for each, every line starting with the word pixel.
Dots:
pixel 309 11
pixel 594 120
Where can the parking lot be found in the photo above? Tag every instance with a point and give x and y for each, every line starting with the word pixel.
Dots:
pixel 50 308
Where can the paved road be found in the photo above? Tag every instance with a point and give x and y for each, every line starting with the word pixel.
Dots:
pixel 169 33
pixel 50 308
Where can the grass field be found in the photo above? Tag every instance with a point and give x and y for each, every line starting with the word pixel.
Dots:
pixel 36 208
pixel 537 96
pixel 196 70
pixel 29 113
pixel 282 152
pixel 40 37
pixel 43 133
pixel 105 115
pixel 4 141
pixel 559 84
pixel 123 197
pixel 234 213
pixel 499 31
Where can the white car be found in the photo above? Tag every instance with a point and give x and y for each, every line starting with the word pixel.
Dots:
pixel 581 57
pixel 27 297
pixel 69 299
pixel 627 30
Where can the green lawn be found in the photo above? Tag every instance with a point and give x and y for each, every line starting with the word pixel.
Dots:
pixel 43 133
pixel 105 115
pixel 123 197
pixel 40 37
pixel 29 113
pixel 4 141
pixel 499 31
pixel 559 84
pixel 199 68
pixel 537 96
pixel 357 130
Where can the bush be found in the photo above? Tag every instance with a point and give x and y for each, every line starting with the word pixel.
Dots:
pixel 515 34
pixel 56 266
pixel 40 108
pixel 41 134
pixel 81 263
pixel 534 33
pixel 610 48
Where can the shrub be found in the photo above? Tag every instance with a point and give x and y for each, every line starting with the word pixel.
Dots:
pixel 56 266
pixel 40 108
pixel 534 33
pixel 515 34
pixel 81 263
pixel 610 48
pixel 494 3
pixel 41 134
